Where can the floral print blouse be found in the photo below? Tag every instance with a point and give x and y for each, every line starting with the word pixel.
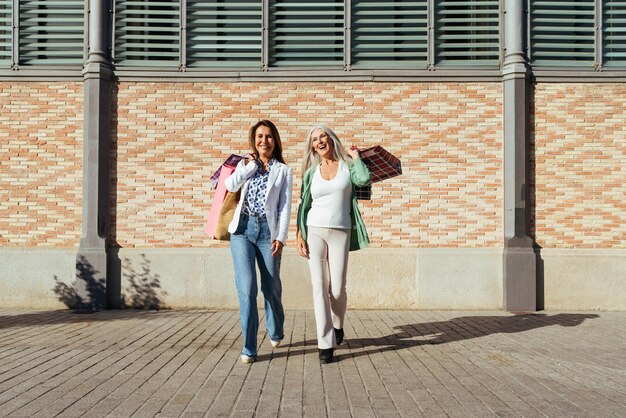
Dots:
pixel 256 194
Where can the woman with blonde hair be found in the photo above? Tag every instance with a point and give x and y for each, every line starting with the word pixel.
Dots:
pixel 330 225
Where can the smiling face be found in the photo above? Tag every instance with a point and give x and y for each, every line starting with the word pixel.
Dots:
pixel 322 144
pixel 264 142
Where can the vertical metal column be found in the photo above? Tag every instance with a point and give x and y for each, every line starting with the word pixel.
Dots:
pixel 265 43
pixel 92 256
pixel 15 36
pixel 597 35
pixel 520 287
pixel 347 35
pixel 430 35
pixel 182 54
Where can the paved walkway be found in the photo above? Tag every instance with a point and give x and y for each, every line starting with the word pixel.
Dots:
pixel 393 363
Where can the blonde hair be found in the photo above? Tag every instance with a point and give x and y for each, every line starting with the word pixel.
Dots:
pixel 312 158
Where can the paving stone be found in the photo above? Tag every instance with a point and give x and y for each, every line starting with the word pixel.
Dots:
pixel 392 363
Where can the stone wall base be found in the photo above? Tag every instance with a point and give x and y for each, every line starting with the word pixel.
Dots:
pixel 378 279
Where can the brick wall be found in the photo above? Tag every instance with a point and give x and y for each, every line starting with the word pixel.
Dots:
pixel 170 137
pixel 580 165
pixel 40 164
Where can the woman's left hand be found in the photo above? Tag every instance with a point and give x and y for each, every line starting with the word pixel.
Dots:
pixel 277 247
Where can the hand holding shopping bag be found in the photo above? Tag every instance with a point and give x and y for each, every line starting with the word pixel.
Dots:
pixel 382 164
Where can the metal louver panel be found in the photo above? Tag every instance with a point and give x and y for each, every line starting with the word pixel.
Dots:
pixel 147 33
pixel 467 32
pixel 562 32
pixel 224 33
pixel 51 32
pixel 306 33
pixel 614 33
pixel 6 26
pixel 389 34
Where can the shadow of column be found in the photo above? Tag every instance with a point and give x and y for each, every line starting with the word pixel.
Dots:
pixel 93 285
pixel 114 263
pixel 532 184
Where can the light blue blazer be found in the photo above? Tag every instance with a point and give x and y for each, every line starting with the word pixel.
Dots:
pixel 277 201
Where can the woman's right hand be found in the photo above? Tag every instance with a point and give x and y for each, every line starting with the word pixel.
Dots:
pixel 353 152
pixel 302 246
pixel 249 157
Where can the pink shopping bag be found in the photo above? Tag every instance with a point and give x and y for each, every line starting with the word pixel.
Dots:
pixel 218 200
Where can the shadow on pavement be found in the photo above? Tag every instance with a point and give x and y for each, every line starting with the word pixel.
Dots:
pixel 461 328
pixel 440 332
pixel 41 318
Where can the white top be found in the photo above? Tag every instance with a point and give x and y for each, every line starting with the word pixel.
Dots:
pixel 331 200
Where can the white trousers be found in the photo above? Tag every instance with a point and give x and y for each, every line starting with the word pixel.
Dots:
pixel 328 263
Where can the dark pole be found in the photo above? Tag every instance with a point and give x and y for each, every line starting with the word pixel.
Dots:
pixel 519 258
pixel 91 259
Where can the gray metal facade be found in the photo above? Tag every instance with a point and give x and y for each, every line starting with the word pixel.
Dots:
pixel 519 29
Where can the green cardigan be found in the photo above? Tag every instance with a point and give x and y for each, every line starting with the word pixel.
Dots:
pixel 359 176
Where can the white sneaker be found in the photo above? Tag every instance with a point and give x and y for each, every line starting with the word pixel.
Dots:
pixel 275 344
pixel 247 359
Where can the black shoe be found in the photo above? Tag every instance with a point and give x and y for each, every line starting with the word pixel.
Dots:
pixel 326 355
pixel 338 335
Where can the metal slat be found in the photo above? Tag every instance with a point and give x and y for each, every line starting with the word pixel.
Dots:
pixel 51 32
pixel 147 33
pixel 614 34
pixel 215 30
pixel 389 34
pixel 562 33
pixel 306 33
pixel 467 33
pixel 6 37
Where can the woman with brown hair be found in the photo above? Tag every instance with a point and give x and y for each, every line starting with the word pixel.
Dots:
pixel 259 232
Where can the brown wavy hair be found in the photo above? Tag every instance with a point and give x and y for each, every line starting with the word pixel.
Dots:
pixel 278 145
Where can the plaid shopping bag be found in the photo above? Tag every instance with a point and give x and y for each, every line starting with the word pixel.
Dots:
pixel 363 192
pixel 231 161
pixel 382 163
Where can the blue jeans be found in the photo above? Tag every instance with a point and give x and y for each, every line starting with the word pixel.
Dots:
pixel 252 241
